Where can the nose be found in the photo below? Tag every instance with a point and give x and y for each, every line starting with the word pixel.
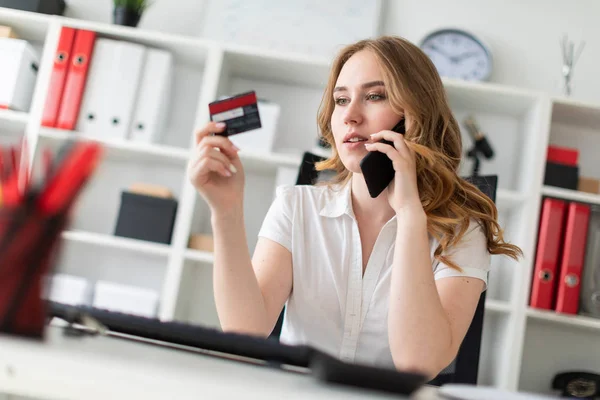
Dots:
pixel 353 113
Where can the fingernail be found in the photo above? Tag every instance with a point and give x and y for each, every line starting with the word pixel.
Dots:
pixel 368 144
pixel 227 173
pixel 220 125
pixel 232 168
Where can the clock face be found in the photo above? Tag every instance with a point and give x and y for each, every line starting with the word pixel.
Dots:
pixel 457 54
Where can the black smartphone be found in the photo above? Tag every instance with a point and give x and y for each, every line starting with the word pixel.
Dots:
pixel 377 168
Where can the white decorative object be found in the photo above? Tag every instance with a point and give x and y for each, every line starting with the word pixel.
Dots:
pixel 126 299
pixel 19 64
pixel 68 289
pixel 313 27
pixel 570 57
pixel 262 139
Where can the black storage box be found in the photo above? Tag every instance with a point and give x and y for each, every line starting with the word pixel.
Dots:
pixel 40 6
pixel 146 217
pixel 561 175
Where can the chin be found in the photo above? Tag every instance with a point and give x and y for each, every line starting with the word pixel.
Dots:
pixel 352 162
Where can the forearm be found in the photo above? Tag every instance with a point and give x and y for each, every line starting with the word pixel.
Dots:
pixel 238 298
pixel 419 330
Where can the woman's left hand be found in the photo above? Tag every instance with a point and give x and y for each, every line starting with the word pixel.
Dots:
pixel 403 192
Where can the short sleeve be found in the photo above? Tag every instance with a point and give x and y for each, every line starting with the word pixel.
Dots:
pixel 470 254
pixel 277 225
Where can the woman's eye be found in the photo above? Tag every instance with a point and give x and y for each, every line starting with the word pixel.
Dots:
pixel 341 101
pixel 375 96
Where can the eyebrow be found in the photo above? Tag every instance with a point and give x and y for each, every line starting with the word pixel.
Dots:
pixel 364 86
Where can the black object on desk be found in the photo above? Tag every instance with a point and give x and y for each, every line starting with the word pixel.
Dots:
pixel 322 366
pixel 40 6
pixel 146 217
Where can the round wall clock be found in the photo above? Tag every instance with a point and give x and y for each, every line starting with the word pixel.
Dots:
pixel 458 54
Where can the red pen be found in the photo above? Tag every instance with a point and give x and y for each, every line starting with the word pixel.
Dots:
pixel 24 167
pixel 13 162
pixel 47 163
pixel 2 166
pixel 75 169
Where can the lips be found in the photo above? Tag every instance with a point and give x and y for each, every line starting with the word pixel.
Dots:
pixel 355 138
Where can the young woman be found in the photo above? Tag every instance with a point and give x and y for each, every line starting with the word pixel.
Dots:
pixel 391 281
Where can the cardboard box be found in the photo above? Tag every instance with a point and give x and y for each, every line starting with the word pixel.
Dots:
pixel 202 242
pixel 8 32
pixel 589 185
pixel 151 190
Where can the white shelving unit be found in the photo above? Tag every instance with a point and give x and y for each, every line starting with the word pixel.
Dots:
pixel 117 243
pixel 13 120
pixel 519 123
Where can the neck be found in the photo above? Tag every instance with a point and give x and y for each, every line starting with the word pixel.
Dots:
pixel 377 210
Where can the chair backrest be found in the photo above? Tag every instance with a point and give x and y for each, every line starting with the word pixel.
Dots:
pixel 464 368
pixel 466 365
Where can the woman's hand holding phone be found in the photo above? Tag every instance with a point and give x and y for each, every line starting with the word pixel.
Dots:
pixel 216 171
pixel 403 190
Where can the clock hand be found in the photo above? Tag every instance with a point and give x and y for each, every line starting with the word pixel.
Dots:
pixel 438 50
pixel 463 56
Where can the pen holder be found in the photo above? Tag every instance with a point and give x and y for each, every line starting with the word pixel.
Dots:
pixel 32 217
pixel 28 244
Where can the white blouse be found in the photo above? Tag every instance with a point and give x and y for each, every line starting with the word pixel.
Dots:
pixel 332 306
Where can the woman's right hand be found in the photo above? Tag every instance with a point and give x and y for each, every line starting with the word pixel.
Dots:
pixel 216 171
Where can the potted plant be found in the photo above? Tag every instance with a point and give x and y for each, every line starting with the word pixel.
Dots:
pixel 129 12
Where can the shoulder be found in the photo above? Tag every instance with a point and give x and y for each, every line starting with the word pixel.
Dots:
pixel 474 233
pixel 470 253
pixel 471 247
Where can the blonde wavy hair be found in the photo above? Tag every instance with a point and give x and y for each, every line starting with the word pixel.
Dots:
pixel 413 87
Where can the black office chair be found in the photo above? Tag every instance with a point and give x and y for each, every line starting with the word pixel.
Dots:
pixel 464 368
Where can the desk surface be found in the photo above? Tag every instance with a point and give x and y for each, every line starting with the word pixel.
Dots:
pixel 99 367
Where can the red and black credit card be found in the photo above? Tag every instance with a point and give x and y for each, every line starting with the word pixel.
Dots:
pixel 239 112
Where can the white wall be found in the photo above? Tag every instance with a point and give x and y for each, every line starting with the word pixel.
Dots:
pixel 173 16
pixel 523 34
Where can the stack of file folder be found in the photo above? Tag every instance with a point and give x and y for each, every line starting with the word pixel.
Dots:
pixel 112 89
pixel 33 213
pixel 566 276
